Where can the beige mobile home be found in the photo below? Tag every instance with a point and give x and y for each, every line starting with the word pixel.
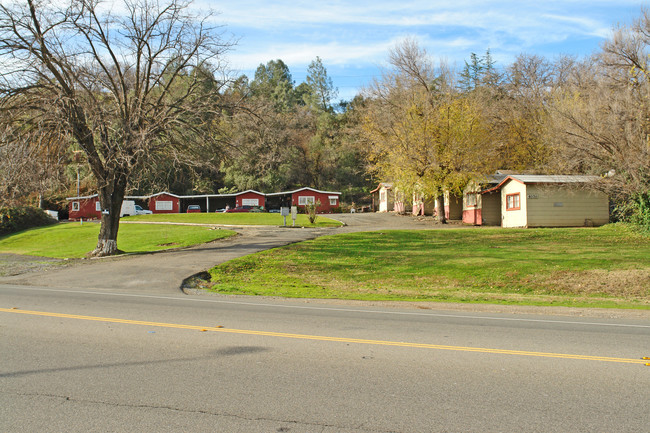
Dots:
pixel 551 201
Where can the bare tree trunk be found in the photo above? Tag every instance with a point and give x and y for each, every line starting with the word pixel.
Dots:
pixel 111 197
pixel 440 209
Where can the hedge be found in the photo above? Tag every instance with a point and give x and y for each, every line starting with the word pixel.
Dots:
pixel 15 219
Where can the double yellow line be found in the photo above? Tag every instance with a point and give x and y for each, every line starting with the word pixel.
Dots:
pixel 333 339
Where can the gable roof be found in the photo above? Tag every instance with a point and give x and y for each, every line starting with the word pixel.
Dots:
pixel 249 191
pixel 302 189
pixel 164 193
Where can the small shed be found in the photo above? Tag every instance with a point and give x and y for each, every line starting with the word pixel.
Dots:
pixel 250 198
pixel 383 198
pixel 87 207
pixel 551 201
pixel 164 202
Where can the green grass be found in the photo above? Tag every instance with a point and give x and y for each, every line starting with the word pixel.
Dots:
pixel 603 267
pixel 254 218
pixel 73 240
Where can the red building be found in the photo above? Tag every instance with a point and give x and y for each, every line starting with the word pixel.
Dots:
pixel 165 202
pixel 250 198
pixel 329 200
pixel 84 207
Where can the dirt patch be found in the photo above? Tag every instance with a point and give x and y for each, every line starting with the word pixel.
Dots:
pixel 619 283
pixel 14 264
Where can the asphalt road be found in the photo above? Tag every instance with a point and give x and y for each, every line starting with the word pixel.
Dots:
pixel 128 362
pixel 139 357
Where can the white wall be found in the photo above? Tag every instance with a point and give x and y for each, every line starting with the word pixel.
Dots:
pixel 513 218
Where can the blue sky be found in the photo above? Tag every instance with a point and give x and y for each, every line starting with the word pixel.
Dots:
pixel 353 37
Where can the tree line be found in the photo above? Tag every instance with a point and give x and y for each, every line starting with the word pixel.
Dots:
pixel 141 101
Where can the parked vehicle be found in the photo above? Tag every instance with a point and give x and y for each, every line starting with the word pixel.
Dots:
pixel 194 208
pixel 245 208
pixel 128 208
pixel 140 211
pixel 239 209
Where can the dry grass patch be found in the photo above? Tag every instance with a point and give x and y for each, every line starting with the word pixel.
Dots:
pixel 626 283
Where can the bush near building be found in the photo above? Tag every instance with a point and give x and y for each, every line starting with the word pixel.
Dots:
pixel 15 219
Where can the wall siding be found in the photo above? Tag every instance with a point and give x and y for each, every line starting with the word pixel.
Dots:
pixel 453 207
pixel 491 208
pixel 577 207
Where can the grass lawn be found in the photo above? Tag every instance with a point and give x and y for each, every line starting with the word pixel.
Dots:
pixel 73 240
pixel 601 267
pixel 243 218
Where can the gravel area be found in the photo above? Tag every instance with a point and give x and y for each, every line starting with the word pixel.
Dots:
pixel 14 264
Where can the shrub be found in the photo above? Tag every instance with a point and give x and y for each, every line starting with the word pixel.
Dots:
pixel 311 208
pixel 15 219
pixel 642 215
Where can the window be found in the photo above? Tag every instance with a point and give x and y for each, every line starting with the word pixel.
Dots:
pixel 512 202
pixel 98 206
pixel 332 201
pixel 75 206
pixel 164 205
pixel 471 199
pixel 250 202
pixel 304 200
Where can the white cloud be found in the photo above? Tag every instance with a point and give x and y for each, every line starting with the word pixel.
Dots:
pixel 359 34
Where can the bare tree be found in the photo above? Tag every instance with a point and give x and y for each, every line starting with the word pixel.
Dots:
pixel 603 115
pixel 26 170
pixel 121 85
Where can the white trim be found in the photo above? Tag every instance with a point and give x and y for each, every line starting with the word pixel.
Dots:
pixel 166 193
pixel 250 201
pixel 75 204
pixel 252 191
pixel 83 198
pixel 303 189
pixel 304 200
pixel 164 205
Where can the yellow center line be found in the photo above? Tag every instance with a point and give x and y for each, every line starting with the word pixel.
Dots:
pixel 326 338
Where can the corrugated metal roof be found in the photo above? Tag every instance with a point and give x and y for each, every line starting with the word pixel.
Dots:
pixel 539 178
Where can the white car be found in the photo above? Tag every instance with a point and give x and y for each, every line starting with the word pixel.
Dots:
pixel 140 211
